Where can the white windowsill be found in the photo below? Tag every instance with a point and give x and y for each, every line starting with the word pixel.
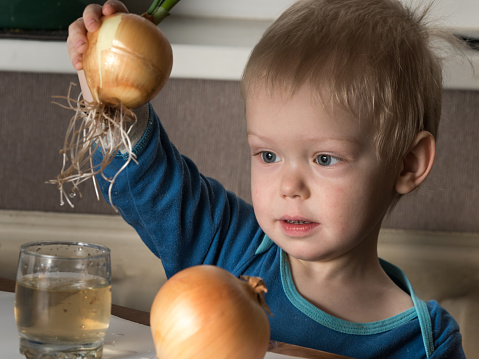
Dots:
pixel 202 48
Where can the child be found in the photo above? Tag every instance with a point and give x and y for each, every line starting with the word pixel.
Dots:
pixel 343 99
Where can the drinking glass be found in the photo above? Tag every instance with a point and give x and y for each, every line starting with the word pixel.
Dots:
pixel 63 299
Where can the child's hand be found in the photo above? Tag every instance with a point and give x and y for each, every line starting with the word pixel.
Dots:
pixel 77 42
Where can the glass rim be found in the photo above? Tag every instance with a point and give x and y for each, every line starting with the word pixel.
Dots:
pixel 24 248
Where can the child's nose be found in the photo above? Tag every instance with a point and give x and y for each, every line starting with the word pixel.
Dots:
pixel 294 184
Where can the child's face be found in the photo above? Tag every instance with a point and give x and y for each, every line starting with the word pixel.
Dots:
pixel 318 189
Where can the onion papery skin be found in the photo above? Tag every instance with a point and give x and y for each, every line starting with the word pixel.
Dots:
pixel 205 312
pixel 128 60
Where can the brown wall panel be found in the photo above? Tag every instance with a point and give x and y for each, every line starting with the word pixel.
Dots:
pixel 205 120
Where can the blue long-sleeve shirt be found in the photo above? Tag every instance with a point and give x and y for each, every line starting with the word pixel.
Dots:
pixel 188 219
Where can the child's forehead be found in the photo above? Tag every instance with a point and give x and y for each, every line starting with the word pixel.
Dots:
pixel 316 97
pixel 304 107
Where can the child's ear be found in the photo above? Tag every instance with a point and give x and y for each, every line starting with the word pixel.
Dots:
pixel 417 163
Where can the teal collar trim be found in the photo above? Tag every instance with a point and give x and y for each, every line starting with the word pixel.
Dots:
pixel 265 244
pixel 419 310
pixel 421 306
pixel 334 323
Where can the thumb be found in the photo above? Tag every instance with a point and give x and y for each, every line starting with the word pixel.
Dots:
pixel 87 96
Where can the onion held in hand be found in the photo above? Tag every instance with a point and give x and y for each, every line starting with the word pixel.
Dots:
pixel 205 312
pixel 128 60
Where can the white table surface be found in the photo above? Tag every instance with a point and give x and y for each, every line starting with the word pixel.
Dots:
pixel 124 339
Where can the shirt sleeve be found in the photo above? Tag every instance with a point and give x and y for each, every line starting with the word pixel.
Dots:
pixel 447 337
pixel 184 217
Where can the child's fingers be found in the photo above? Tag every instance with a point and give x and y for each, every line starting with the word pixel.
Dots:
pixel 77 42
pixel 76 59
pixel 93 13
pixel 113 6
pixel 91 17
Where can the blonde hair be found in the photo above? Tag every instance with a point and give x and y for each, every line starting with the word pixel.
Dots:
pixel 374 57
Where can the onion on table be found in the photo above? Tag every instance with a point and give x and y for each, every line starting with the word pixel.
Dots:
pixel 205 312
pixel 128 61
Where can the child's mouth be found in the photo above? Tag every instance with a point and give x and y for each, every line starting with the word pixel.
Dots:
pixel 296 222
pixel 297 227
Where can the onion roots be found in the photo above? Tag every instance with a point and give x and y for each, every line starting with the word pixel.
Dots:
pixel 93 127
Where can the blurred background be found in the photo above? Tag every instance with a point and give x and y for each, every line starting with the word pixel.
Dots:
pixel 433 234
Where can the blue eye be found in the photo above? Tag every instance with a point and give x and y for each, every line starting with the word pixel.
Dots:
pixel 269 157
pixel 327 160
